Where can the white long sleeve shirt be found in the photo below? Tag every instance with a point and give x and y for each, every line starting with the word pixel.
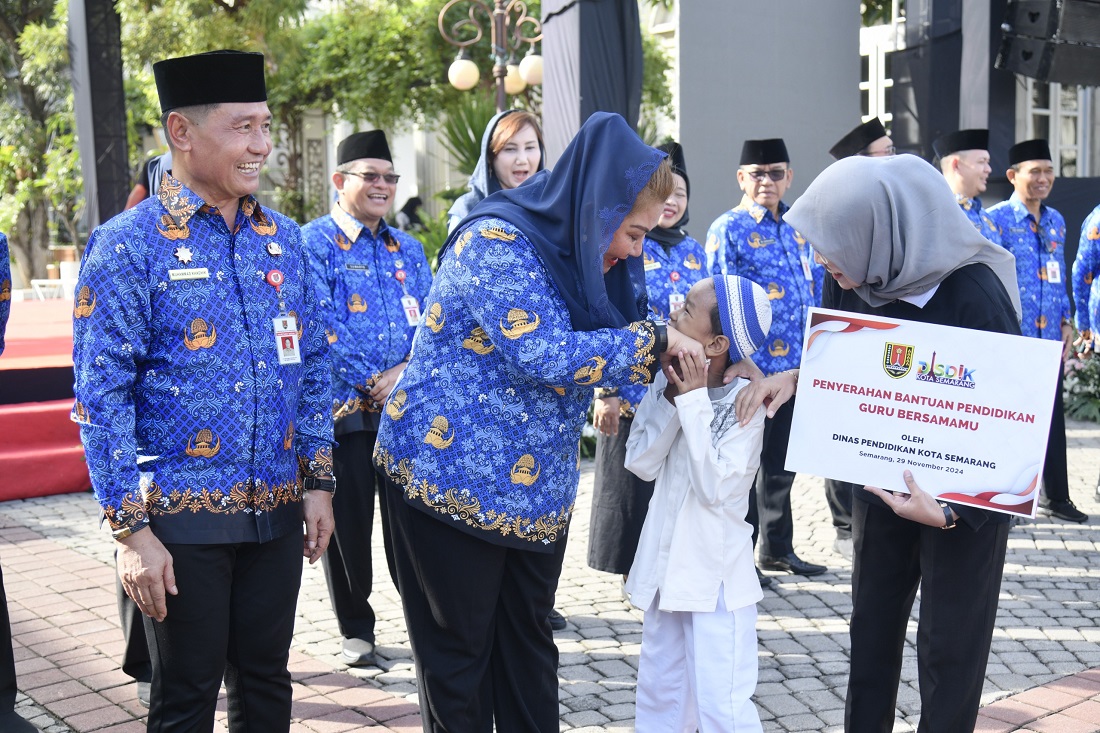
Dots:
pixel 695 540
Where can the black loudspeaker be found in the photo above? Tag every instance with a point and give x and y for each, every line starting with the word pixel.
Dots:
pixel 1052 40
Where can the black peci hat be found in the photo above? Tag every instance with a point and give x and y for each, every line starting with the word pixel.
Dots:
pixel 676 159
pixel 764 152
pixel 1029 150
pixel 858 139
pixel 216 77
pixel 953 142
pixel 370 144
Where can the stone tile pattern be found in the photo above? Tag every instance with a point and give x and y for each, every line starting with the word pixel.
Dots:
pixel 1043 675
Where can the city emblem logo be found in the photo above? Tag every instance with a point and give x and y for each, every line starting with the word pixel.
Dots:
pixel 897 360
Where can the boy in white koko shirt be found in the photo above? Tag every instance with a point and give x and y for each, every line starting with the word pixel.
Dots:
pixel 693 573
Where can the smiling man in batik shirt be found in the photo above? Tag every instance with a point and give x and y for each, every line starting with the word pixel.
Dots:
pixel 964 161
pixel 753 241
pixel 1036 235
pixel 202 393
pixel 371 280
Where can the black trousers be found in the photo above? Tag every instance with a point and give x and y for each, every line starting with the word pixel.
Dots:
pixel 1055 468
pixel 8 687
pixel 135 653
pixel 347 562
pixel 770 497
pixel 838 495
pixel 476 615
pixel 959 574
pixel 234 616
pixel 620 501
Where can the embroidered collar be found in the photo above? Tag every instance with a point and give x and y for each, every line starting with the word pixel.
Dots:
pixel 352 227
pixel 181 203
pixel 758 212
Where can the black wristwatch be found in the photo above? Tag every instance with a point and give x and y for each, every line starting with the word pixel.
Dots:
pixel 124 532
pixel 313 483
pixel 661 332
pixel 947 515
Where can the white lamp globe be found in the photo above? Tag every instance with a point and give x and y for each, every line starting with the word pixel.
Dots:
pixel 463 74
pixel 530 68
pixel 513 82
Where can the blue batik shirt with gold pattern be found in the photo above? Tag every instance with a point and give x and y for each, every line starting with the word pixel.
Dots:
pixel 669 273
pixel 481 429
pixel 5 288
pixel 749 241
pixel 190 424
pixel 1040 251
pixel 1086 268
pixel 978 216
pixel 360 278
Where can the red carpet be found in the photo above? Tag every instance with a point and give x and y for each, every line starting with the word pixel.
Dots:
pixel 40 451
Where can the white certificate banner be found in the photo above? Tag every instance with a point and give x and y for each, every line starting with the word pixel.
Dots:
pixel 968 412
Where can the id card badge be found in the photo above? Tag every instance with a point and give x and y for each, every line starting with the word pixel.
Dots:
pixel 807 271
pixel 1054 271
pixel 412 309
pixel 675 302
pixel 286 340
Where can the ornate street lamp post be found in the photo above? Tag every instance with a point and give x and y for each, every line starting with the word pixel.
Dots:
pixel 509 28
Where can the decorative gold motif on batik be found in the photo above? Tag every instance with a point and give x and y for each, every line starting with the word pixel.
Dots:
pixel 349 406
pixel 171 229
pixel 647 260
pixel 342 241
pixel 204 445
pixel 437 434
pixel 519 323
pixel 199 335
pixel 319 466
pixel 641 371
pixel 591 372
pixel 798 237
pixel 756 241
pixel 331 336
pixel 5 291
pixel 1041 322
pixel 526 470
pixel 497 233
pixel 356 304
pixel 392 243
pixel 692 262
pixel 257 497
pixel 559 390
pixel 130 512
pixel 435 318
pixel 80 413
pixel 398 403
pixel 261 224
pixel 779 348
pixel 713 243
pixel 776 291
pixel 460 504
pixel 288 436
pixel 478 342
pixel 85 302
pixel 1088 278
pixel 462 241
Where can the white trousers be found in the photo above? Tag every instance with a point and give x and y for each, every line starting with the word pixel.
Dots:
pixel 698 671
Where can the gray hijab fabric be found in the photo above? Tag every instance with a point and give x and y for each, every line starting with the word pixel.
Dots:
pixel 893 225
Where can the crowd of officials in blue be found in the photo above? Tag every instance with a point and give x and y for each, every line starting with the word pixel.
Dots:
pixel 245 389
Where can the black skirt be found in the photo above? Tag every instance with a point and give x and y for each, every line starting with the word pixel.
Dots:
pixel 619 504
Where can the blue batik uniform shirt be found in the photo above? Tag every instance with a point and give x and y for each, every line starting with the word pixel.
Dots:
pixel 1086 268
pixel 357 276
pixel 750 242
pixel 189 422
pixel 978 216
pixel 1039 248
pixel 481 429
pixel 668 273
pixel 5 288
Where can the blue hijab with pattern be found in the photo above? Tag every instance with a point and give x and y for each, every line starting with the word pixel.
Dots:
pixel 570 214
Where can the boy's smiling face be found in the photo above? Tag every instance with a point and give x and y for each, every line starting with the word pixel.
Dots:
pixel 695 318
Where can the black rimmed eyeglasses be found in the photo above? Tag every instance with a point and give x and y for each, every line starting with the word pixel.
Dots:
pixel 776 175
pixel 372 177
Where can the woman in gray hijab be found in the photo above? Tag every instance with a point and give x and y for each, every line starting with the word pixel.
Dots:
pixel 890 234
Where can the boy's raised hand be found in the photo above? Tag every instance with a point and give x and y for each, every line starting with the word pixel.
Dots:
pixel 693 367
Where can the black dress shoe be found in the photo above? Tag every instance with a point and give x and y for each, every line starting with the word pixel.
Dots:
pixel 1063 510
pixel 557 621
pixel 766 581
pixel 358 653
pixel 791 563
pixel 144 693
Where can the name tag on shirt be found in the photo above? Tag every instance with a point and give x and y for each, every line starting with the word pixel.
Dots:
pixel 412 309
pixel 652 265
pixel 286 340
pixel 807 272
pixel 1054 271
pixel 193 273
pixel 365 269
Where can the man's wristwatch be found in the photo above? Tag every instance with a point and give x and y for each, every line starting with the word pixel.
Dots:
pixel 949 518
pixel 313 483
pixel 661 333
pixel 123 533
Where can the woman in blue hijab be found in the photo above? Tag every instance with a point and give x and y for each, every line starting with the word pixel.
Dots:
pixel 539 297
pixel 511 153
